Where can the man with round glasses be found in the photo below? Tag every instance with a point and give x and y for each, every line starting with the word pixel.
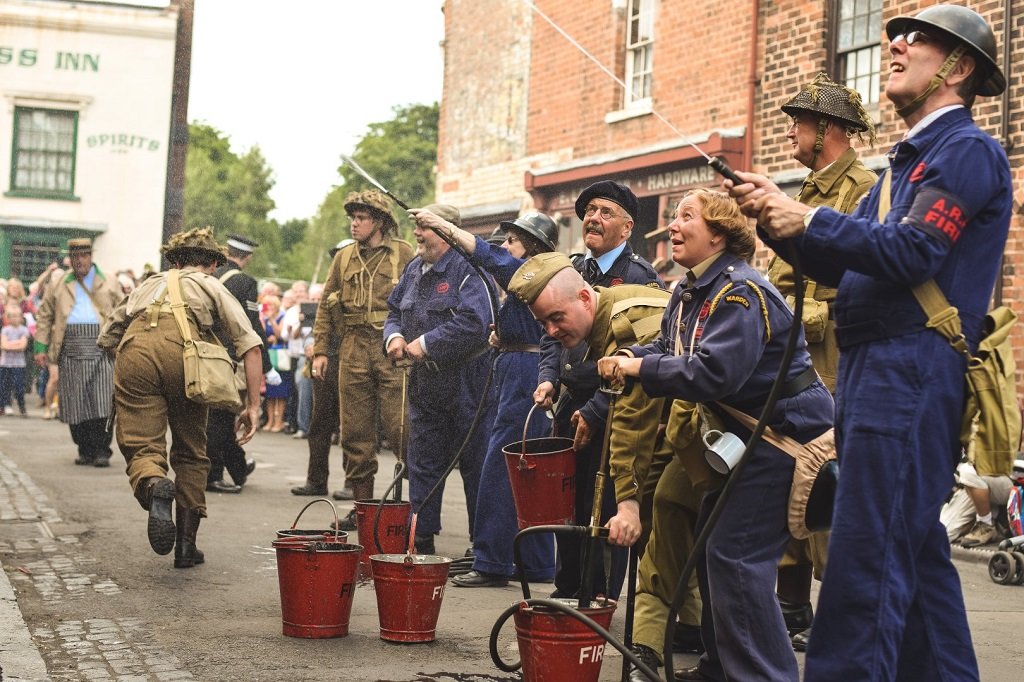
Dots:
pixel 891 605
pixel 608 210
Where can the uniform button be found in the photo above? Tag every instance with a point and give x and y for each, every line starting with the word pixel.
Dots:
pixel 568 366
pixel 730 269
pixel 687 297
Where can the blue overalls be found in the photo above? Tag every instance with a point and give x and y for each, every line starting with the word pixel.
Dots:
pixel 515 373
pixel 448 305
pixel 891 605
pixel 729 354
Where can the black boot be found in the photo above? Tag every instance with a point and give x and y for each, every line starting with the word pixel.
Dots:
pixel 310 489
pixel 160 527
pixel 186 554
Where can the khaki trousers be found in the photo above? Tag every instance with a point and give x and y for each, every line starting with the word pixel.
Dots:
pixel 370 397
pixel 149 396
pixel 674 515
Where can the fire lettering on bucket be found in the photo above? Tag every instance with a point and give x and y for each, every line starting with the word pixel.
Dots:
pixel 438 592
pixel 394 531
pixel 568 483
pixel 591 654
pixel 346 588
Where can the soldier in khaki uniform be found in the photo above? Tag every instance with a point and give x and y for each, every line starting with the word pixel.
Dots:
pixel 825 117
pixel 149 389
pixel 355 295
pixel 68 321
pixel 606 319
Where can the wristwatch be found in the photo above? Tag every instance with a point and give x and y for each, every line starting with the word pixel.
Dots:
pixel 809 216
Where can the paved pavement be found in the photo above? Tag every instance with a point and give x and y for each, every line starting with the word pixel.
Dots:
pixel 83 598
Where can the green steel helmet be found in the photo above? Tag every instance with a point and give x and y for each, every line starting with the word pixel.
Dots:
pixel 962 25
pixel 497 237
pixel 825 97
pixel 538 226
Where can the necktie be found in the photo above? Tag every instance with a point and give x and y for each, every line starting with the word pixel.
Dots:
pixel 591 271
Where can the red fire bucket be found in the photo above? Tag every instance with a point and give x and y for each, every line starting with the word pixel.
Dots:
pixel 409 589
pixel 555 647
pixel 542 472
pixel 391 531
pixel 317 581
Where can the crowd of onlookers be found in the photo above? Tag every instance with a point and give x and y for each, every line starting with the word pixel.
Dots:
pixel 289 334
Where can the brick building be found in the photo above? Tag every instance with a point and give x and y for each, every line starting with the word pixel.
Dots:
pixel 528 119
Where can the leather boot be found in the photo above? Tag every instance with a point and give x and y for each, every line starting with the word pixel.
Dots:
pixel 159 498
pixel 363 489
pixel 186 554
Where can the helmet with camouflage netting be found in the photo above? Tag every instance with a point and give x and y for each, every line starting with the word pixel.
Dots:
pixel 824 97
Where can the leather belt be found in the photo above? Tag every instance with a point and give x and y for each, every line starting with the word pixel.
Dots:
pixel 518 348
pixel 789 389
pixel 849 335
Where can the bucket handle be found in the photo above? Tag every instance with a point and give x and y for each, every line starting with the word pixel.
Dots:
pixel 333 509
pixel 524 464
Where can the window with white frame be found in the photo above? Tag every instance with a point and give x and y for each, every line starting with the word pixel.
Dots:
pixel 43 154
pixel 639 52
pixel 857 49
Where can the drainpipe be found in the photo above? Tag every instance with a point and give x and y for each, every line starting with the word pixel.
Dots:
pixel 174 194
pixel 1004 132
pixel 754 80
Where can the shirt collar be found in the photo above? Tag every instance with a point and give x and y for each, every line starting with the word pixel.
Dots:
pixel 930 118
pixel 698 270
pixel 826 178
pixel 605 261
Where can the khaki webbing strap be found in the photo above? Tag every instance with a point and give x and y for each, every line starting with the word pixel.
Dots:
pixel 178 305
pixel 154 309
pixel 394 260
pixel 943 317
pixel 935 82
pixel 627 303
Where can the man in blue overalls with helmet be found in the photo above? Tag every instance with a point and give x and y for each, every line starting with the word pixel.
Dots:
pixel 891 605
pixel 439 317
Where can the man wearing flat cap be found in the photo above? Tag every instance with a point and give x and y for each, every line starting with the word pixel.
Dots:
pixel 602 320
pixel 221 446
pixel 353 307
pixel 608 210
pixel 439 318
pixel 67 325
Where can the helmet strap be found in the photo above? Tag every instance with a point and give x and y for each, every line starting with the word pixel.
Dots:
pixel 935 82
pixel 819 139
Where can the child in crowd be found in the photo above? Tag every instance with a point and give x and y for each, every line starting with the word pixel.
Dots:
pixel 13 342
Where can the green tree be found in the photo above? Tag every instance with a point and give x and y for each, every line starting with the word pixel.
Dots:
pixel 401 154
pixel 231 193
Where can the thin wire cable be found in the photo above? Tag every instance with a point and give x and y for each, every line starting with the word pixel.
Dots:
pixel 615 78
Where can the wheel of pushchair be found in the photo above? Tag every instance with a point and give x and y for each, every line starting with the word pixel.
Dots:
pixel 1018 577
pixel 1002 568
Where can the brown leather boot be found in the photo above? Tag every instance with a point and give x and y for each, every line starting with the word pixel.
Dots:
pixel 186 554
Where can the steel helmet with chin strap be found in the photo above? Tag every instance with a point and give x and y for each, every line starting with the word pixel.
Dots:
pixel 964 26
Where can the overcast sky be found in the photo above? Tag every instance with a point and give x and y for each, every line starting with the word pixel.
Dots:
pixel 302 79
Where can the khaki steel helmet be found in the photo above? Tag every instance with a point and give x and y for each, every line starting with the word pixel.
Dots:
pixel 824 97
pixel 964 26
pixel 376 203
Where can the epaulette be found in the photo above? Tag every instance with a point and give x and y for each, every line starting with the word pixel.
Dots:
pixel 723 294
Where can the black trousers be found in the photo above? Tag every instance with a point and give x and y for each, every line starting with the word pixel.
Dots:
pixel 221 448
pixel 92 438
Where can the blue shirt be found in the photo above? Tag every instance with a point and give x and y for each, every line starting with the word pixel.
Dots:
pixel 83 312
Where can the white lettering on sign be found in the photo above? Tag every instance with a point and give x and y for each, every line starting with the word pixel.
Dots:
pixel 121 142
pixel 591 654
pixel 438 593
pixel 698 175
